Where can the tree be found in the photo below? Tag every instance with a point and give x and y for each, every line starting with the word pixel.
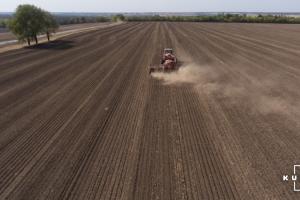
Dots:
pixel 26 23
pixel 3 23
pixel 29 21
pixel 50 24
pixel 118 17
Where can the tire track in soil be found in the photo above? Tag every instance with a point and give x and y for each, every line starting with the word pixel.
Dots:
pixel 23 108
pixel 32 137
pixel 94 64
pixel 219 170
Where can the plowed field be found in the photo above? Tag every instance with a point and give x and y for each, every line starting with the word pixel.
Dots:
pixel 81 118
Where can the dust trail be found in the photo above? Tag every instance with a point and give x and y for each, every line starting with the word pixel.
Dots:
pixel 269 105
pixel 209 80
pixel 190 73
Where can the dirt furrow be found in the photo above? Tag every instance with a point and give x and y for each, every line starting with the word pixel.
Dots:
pixel 83 119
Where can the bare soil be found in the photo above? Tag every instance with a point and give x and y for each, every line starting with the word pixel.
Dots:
pixel 81 118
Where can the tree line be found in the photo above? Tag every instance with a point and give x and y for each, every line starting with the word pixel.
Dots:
pixel 65 20
pixel 220 18
pixel 30 21
pixel 3 23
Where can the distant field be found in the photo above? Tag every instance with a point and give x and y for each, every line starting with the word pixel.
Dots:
pixel 81 118
pixel 6 35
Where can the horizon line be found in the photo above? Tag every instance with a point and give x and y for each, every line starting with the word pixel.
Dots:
pixel 165 11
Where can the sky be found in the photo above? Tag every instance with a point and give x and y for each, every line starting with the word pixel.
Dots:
pixel 157 5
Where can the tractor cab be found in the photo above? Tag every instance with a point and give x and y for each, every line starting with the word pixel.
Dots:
pixel 168 55
pixel 168 51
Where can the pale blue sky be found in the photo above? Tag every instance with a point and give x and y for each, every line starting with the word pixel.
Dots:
pixel 158 5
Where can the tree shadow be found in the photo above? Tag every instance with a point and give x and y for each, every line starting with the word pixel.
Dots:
pixel 53 45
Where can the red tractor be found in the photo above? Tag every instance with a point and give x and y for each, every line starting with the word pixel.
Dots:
pixel 168 62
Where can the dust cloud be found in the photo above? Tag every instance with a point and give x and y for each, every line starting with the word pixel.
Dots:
pixel 208 79
pixel 269 105
pixel 189 74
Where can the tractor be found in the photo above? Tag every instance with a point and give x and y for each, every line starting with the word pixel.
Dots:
pixel 168 62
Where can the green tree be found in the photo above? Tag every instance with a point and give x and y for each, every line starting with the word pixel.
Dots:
pixel 118 17
pixel 3 23
pixel 50 25
pixel 29 21
pixel 26 23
